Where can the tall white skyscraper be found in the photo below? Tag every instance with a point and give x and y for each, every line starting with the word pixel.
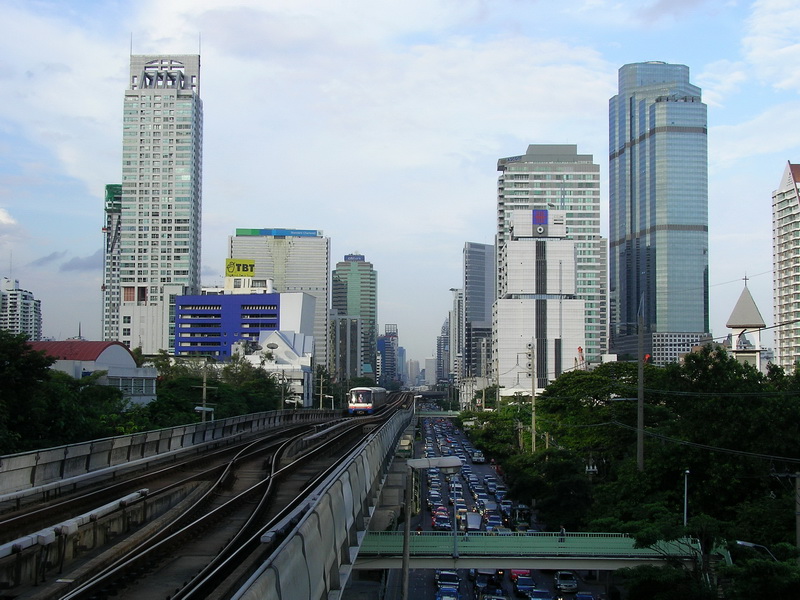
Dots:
pixel 152 228
pixel 556 177
pixel 786 265
pixel 297 260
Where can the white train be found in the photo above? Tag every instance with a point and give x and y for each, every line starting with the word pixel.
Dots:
pixel 365 400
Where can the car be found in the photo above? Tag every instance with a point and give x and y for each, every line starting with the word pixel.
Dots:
pixel 448 593
pixel 517 572
pixel 584 596
pixel 442 523
pixel 539 594
pixel 524 585
pixel 446 578
pixel 565 581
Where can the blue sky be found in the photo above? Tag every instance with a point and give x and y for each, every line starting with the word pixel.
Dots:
pixel 379 123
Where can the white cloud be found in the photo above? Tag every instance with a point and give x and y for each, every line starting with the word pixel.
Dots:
pixel 771 42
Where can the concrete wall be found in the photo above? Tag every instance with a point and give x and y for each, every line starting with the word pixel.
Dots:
pixel 53 470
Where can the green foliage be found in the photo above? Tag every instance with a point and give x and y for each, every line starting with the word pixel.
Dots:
pixel 664 583
pixel 22 371
pixel 734 428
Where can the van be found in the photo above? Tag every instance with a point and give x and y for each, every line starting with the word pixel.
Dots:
pixel 474 521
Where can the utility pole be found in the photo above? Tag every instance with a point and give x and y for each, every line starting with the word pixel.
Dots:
pixel 640 394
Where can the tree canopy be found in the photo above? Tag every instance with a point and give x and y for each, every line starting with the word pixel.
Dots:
pixel 734 430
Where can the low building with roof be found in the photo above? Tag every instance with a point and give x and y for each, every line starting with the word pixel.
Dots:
pixel 81 358
pixel 746 324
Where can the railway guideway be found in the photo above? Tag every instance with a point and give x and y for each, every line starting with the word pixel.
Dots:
pixel 316 559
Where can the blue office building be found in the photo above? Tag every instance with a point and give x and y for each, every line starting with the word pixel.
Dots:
pixel 658 212
pixel 209 325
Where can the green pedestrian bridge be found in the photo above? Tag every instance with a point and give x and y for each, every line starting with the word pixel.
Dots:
pixel 573 551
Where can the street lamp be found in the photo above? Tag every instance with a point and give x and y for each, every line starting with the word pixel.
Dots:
pixel 450 466
pixel 752 545
pixel 685 495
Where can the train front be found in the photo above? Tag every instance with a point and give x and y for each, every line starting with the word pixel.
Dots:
pixel 360 401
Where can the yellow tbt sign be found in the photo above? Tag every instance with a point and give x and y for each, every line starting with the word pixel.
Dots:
pixel 239 267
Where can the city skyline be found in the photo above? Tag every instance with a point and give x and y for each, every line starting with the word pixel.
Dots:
pixel 411 102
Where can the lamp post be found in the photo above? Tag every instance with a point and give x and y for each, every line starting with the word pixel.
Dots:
pixel 449 465
pixel 752 545
pixel 685 495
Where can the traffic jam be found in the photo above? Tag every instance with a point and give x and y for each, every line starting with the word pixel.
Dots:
pixel 478 498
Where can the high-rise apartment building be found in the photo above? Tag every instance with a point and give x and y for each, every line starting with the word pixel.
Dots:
pixel 785 267
pixel 296 260
pixel 658 211
pixel 20 311
pixel 556 177
pixel 152 226
pixel 354 291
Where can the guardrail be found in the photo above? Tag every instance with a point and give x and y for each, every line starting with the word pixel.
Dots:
pixel 50 470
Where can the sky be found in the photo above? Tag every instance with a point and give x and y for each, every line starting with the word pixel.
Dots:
pixel 380 124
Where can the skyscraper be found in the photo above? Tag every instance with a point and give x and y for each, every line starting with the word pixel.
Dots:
pixel 297 260
pixel 555 176
pixel 658 192
pixel 786 264
pixel 354 292
pixel 152 228
pixel 479 295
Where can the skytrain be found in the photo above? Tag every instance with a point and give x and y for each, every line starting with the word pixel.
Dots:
pixel 365 400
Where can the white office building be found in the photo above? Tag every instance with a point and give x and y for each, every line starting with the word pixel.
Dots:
pixel 152 226
pixel 296 260
pixel 538 326
pixel 556 177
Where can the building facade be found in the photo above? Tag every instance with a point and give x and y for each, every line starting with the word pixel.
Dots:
pixel 20 311
pixel 388 344
pixel 296 260
pixel 785 266
pixel 346 337
pixel 354 292
pixel 658 212
pixel 555 176
pixel 538 320
pixel 152 226
pixel 479 295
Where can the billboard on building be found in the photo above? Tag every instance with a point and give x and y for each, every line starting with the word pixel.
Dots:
pixel 239 267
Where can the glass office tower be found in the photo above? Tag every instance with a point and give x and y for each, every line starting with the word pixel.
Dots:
pixel 658 211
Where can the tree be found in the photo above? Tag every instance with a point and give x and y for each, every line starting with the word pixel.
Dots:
pixel 22 371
